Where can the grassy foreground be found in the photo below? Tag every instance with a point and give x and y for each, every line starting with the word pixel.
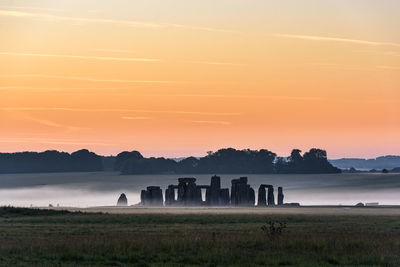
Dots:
pixel 49 238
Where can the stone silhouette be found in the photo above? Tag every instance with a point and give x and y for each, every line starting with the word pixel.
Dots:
pixel 122 200
pixel 262 199
pixel 271 196
pixel 280 196
pixel 215 191
pixel 224 197
pixel 188 193
pixel 170 195
pixel 241 193
pixel 266 195
pixel 152 196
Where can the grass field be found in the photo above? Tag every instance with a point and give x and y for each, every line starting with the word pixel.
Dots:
pixel 48 238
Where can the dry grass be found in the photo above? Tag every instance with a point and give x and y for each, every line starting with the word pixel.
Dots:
pixel 307 210
pixel 206 239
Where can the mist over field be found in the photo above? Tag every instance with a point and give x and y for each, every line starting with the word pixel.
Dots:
pixel 103 188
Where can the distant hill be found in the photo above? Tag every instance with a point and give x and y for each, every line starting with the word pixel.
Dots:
pixel 386 162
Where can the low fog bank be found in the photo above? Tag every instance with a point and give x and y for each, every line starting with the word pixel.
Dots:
pixel 103 189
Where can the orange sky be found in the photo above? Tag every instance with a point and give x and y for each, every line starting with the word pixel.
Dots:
pixel 178 78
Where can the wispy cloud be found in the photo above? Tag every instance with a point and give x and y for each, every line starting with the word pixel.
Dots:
pixel 376 52
pixel 52 123
pixel 69 90
pixel 213 122
pixel 111 91
pixel 32 8
pixel 277 97
pixel 216 63
pixel 3 88
pixel 334 39
pixel 344 67
pixel 121 51
pixel 19 14
pixel 51 141
pixel 76 78
pixel 80 57
pixel 388 67
pixel 183 112
pixel 209 29
pixel 135 118
pixel 354 67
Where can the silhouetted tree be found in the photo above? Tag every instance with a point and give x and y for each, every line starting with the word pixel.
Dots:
pixel 124 156
pixel 149 166
pixel 296 161
pixel 227 160
pixel 188 165
pixel 281 165
pixel 230 160
pixel 84 160
pixel 313 161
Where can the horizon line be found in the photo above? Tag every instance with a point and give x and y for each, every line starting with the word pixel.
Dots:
pixel 183 156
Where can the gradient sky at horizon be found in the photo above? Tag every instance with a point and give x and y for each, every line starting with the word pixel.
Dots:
pixel 176 78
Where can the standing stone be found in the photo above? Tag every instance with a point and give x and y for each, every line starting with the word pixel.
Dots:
pixel 224 197
pixel 181 191
pixel 208 196
pixel 262 196
pixel 234 192
pixel 154 196
pixel 215 188
pixel 280 196
pixel 157 197
pixel 188 193
pixel 143 197
pixel 242 194
pixel 271 197
pixel 122 200
pixel 252 196
pixel 169 195
pixel 198 198
pixel 191 194
pixel 243 180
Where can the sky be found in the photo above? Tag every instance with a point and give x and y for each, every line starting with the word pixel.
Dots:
pixel 176 77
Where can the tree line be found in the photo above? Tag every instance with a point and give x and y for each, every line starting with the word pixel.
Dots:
pixel 223 161
pixel 228 161
pixel 50 161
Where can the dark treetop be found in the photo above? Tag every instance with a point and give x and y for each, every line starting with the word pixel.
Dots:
pixel 50 161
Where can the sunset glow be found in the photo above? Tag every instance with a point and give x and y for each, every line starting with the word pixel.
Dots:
pixel 177 78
